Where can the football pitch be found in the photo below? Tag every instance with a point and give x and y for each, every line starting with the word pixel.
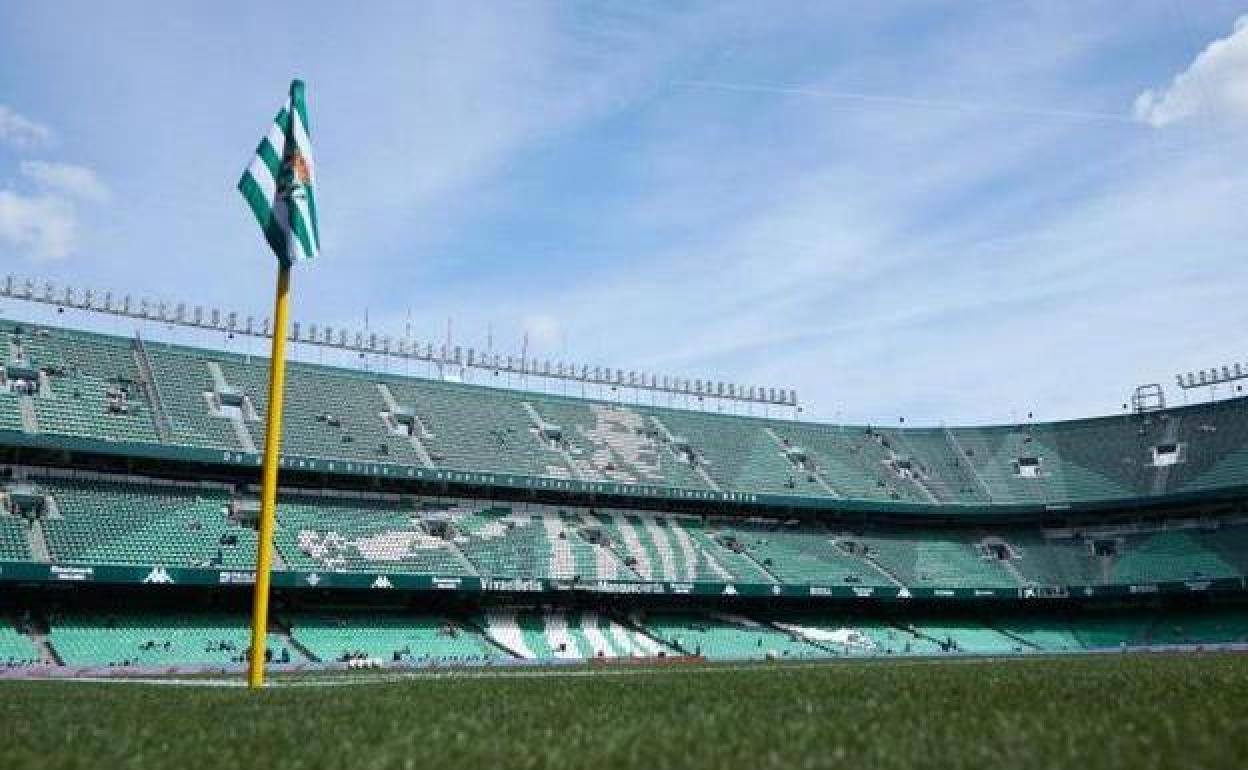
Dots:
pixel 1082 712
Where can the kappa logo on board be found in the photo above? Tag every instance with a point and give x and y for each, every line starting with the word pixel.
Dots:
pixel 382 582
pixel 158 575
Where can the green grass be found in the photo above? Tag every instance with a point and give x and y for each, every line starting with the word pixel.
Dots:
pixel 1085 712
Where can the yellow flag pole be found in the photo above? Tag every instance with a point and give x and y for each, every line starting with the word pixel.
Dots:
pixel 268 489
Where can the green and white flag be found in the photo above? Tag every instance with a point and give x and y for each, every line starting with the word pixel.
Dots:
pixel 279 184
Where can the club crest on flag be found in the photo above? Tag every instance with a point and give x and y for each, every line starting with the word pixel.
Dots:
pixel 295 177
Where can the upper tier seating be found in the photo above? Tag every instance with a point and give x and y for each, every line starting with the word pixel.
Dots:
pixel 610 442
pixel 81 372
pixel 185 381
pixel 94 386
pixel 992 455
pixel 326 414
pixel 854 461
pixel 1215 443
pixel 941 470
pixel 478 429
pixel 10 411
pixel 739 454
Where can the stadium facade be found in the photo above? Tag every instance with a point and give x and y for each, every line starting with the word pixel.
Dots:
pixel 424 521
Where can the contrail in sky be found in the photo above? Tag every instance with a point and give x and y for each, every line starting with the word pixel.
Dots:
pixel 907 101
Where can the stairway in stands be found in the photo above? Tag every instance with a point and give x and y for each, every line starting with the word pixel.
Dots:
pixel 813 470
pixel 419 433
pixel 26 405
pixel 580 470
pixel 670 440
pixel 151 389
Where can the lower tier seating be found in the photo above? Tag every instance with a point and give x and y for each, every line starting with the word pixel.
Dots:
pixel 719 636
pixel 16 649
pixel 166 639
pixel 491 636
pixel 559 634
pixel 390 638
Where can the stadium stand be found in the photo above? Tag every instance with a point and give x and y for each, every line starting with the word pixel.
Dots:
pixel 965 636
pixel 805 554
pixel 719 636
pixel 661 547
pixel 556 634
pixel 110 522
pixel 503 542
pixel 389 638
pixel 16 648
pixel 10 411
pixel 86 385
pixel 14 544
pixel 1114 630
pixel 882 535
pixel 1218 625
pixel 192 400
pixel 101 519
pixel 939 559
pixel 497 635
pixel 339 533
pixel 167 639
pixel 477 428
pixel 125 390
pixel 608 442
pixel 1043 634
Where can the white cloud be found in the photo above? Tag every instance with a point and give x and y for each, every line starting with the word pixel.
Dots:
pixel 1215 84
pixel 45 226
pixel 21 132
pixel 75 181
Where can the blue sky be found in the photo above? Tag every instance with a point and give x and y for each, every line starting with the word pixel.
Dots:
pixel 945 211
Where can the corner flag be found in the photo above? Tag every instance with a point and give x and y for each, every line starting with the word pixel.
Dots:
pixel 279 188
pixel 279 184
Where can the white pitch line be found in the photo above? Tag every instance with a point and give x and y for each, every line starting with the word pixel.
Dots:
pixel 206 682
pixel 340 679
